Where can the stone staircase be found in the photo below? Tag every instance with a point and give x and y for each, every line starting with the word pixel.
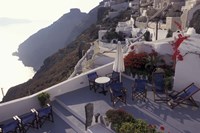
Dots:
pixel 69 116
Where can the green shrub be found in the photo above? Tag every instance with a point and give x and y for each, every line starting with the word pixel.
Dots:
pixel 117 117
pixel 123 122
pixel 140 126
pixel 127 127
pixel 43 98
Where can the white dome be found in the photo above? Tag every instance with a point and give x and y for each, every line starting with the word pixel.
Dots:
pixel 191 31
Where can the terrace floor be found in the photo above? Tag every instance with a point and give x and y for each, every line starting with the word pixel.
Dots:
pixel 70 112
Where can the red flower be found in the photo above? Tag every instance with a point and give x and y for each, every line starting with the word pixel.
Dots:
pixel 176 45
pixel 162 128
pixel 132 47
pixel 180 57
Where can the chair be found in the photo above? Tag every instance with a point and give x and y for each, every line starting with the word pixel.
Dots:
pixel 91 78
pixel 44 114
pixel 117 93
pixel 158 86
pixel 114 77
pixel 28 120
pixel 184 96
pixel 139 89
pixel 10 126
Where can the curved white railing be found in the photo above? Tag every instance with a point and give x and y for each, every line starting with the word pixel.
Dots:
pixel 23 105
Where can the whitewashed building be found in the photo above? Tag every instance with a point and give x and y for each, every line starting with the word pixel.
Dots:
pixel 187 71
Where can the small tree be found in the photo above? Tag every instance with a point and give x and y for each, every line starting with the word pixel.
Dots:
pixel 44 98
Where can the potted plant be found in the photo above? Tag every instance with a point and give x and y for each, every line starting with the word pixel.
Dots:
pixel 44 98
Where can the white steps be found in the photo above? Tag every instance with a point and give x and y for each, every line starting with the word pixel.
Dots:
pixel 77 126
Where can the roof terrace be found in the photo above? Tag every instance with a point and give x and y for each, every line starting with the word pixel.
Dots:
pixel 69 111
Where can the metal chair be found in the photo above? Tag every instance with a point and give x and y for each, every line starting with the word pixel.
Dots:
pixel 44 114
pixel 91 78
pixel 114 77
pixel 10 126
pixel 139 90
pixel 28 120
pixel 117 93
pixel 160 92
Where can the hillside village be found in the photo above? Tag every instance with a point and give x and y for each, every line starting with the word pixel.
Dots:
pixel 145 19
pixel 155 37
pixel 134 34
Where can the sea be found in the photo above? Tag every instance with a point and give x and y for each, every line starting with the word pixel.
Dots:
pixel 12 71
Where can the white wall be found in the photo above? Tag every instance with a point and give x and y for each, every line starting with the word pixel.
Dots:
pixel 23 105
pixel 186 72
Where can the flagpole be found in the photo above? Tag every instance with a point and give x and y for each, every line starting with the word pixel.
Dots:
pixel 2 92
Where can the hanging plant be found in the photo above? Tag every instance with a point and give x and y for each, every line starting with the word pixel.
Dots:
pixel 176 45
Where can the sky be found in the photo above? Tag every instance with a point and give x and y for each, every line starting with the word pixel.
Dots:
pixel 19 19
pixel 42 9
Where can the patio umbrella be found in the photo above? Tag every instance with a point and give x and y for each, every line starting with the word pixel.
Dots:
pixel 118 65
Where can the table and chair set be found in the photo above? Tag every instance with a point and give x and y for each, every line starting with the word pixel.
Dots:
pixel 111 82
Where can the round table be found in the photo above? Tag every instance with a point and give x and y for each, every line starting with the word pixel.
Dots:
pixel 103 81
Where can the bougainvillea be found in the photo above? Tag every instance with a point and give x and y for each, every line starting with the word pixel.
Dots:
pixel 135 61
pixel 176 45
pixel 141 63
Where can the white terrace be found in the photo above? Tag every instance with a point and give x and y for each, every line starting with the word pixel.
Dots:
pixel 70 97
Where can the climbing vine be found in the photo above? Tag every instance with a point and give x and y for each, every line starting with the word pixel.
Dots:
pixel 177 43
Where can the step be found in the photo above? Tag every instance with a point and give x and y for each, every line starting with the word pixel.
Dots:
pixel 56 105
pixel 77 127
pixel 70 110
pixel 60 109
pixel 70 130
pixel 76 122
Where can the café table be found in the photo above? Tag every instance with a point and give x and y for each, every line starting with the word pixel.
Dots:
pixel 102 81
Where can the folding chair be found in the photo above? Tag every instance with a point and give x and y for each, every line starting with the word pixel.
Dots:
pixel 139 89
pixel 10 126
pixel 117 93
pixel 114 77
pixel 28 120
pixel 44 114
pixel 160 92
pixel 184 96
pixel 91 78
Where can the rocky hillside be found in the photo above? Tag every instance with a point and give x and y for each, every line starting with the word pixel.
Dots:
pixel 60 65
pixel 56 68
pixel 47 41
